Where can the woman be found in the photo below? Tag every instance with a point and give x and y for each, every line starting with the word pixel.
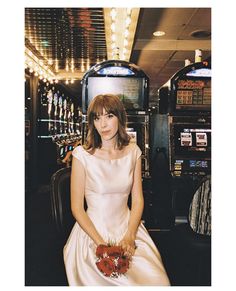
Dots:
pixel 105 172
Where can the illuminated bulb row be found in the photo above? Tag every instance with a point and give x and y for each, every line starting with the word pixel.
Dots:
pixel 126 33
pixel 113 35
pixel 38 67
pixel 28 53
pixel 41 73
pixel 41 70
pixel 56 65
pixel 72 65
pixel 71 81
pixel 67 65
pixel 115 48
pixel 83 65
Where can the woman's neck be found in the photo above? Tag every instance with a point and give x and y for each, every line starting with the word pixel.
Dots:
pixel 109 145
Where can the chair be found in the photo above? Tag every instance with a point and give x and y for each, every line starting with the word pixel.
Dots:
pixel 192 241
pixel 60 202
pixel 200 217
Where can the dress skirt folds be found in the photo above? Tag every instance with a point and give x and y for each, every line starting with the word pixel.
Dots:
pixel 107 188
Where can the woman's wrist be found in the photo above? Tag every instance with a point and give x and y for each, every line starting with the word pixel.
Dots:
pixel 100 242
pixel 131 234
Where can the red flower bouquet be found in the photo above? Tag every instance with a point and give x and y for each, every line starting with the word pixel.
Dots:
pixel 111 260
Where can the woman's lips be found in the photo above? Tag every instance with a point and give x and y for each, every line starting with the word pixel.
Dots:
pixel 105 132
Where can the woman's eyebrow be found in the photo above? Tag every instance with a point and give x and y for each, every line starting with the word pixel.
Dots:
pixel 98 114
pixel 107 113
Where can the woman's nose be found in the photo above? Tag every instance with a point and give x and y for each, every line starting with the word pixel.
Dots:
pixel 103 122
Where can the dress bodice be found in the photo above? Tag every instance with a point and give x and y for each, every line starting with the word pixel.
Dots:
pixel 107 187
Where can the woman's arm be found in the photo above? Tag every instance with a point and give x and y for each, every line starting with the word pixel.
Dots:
pixel 77 201
pixel 128 241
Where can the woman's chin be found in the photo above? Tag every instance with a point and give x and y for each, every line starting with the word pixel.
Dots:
pixel 107 137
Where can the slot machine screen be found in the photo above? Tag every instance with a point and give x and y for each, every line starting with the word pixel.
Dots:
pixel 193 91
pixel 70 148
pixel 133 135
pixel 129 89
pixel 192 141
pixel 62 151
pixel 136 132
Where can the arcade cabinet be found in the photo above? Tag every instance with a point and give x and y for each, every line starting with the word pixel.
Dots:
pixel 130 83
pixel 185 101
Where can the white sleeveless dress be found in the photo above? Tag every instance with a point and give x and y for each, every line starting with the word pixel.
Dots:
pixel 108 185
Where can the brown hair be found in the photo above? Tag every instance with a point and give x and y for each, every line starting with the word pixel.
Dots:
pixel 112 104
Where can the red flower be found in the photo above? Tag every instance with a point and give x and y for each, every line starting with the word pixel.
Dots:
pixel 114 251
pixel 106 266
pixel 111 260
pixel 123 265
pixel 101 249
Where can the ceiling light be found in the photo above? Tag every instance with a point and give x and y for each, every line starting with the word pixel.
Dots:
pixel 128 21
pixel 113 27
pixel 36 65
pixel 126 33
pixel 67 65
pixel 56 65
pixel 129 11
pixel 113 13
pixel 159 33
pixel 82 67
pixel 120 27
pixel 72 66
pixel 200 34
pixel 113 37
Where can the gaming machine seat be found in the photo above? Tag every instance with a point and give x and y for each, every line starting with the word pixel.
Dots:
pixel 60 202
pixel 192 241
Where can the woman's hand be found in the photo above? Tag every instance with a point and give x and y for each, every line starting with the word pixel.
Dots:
pixel 128 244
pixel 100 242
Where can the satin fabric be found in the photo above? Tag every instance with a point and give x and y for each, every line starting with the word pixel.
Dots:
pixel 107 188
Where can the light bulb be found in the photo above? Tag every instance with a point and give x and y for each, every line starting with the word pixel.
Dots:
pixel 113 13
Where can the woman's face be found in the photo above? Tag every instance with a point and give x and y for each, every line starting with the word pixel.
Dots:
pixel 106 125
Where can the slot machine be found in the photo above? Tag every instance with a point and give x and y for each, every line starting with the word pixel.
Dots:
pixel 65 115
pixel 185 100
pixel 55 134
pixel 130 83
pixel 60 105
pixel 55 103
pixel 72 125
pixel 50 110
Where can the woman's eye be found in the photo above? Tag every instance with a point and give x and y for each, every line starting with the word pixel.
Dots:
pixel 110 115
pixel 96 118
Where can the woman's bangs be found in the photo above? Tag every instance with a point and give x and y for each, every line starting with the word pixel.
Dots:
pixel 110 106
pixel 97 109
pixel 105 104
